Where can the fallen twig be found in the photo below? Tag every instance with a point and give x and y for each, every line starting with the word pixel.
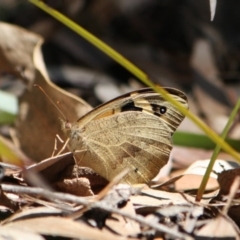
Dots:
pixel 83 201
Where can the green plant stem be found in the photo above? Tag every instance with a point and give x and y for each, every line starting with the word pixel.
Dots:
pixel 216 152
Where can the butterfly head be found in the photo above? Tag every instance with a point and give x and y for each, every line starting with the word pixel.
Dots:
pixel 73 132
pixel 65 126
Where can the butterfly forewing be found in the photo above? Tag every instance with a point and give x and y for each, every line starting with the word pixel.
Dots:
pixel 132 131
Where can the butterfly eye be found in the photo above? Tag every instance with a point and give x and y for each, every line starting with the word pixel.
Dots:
pixel 68 125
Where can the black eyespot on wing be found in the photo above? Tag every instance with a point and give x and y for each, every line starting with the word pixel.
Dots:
pixel 163 109
pixel 158 110
pixel 130 106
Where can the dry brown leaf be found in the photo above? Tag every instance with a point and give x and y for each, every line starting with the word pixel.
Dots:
pixel 38 121
pixel 29 212
pixel 18 234
pixel 121 225
pixel 225 180
pixel 62 227
pixel 46 163
pixel 199 168
pixel 192 181
pixel 49 169
pixel 16 48
pixel 37 126
pixel 234 213
pixel 220 228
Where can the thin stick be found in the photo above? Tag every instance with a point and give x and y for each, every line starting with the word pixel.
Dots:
pixel 233 190
pixel 81 200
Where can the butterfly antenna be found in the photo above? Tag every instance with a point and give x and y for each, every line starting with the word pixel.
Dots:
pixel 54 104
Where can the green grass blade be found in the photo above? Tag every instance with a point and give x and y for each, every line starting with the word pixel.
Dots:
pixel 216 152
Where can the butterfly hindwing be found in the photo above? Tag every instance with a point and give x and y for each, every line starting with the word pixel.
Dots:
pixel 133 130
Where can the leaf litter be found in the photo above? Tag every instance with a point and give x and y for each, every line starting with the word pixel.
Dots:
pixel 44 199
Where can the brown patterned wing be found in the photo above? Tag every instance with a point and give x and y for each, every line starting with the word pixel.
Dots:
pixel 131 131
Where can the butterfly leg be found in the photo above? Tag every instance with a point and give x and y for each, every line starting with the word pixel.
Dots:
pixel 57 138
pixel 78 162
pixel 64 146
